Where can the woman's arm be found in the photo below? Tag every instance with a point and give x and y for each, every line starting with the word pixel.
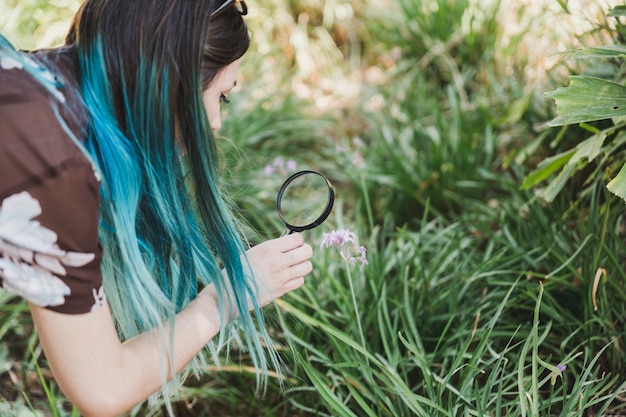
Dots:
pixel 104 377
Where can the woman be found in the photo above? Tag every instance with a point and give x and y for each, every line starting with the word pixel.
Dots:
pixel 112 225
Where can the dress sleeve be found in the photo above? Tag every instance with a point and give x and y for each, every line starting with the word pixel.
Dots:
pixel 49 197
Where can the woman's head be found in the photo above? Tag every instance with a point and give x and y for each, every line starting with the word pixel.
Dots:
pixel 187 41
pixel 227 39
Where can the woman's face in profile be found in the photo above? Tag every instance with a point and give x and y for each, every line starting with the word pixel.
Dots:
pixel 217 92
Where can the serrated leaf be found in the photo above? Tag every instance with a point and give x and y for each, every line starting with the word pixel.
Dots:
pixel 589 148
pixel 618 184
pixel 555 187
pixel 587 99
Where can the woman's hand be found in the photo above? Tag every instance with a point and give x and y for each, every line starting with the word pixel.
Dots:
pixel 279 266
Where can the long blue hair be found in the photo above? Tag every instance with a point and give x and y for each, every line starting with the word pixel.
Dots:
pixel 166 229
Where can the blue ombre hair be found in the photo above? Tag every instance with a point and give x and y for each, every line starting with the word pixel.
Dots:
pixel 167 231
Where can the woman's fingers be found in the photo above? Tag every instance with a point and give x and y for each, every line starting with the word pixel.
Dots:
pixel 289 242
pixel 299 254
pixel 294 284
pixel 301 269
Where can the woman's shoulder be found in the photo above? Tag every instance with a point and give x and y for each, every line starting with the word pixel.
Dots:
pixel 37 136
pixel 24 78
pixel 45 78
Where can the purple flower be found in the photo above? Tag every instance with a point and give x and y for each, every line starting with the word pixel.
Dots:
pixel 361 258
pixel 345 241
pixel 269 170
pixel 280 166
pixel 561 367
pixel 291 165
pixel 337 238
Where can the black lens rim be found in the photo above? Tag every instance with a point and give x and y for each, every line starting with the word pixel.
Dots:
pixel 329 203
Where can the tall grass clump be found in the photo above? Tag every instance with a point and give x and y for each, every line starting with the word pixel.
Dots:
pixel 455 323
pixel 431 129
pixel 494 283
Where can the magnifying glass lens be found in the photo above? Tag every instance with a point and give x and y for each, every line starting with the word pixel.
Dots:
pixel 304 200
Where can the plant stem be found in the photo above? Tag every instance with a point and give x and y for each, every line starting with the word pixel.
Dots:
pixel 366 197
pixel 357 312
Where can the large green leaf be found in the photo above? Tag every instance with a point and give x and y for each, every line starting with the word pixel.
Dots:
pixel 556 185
pixel 618 184
pixel 587 99
pixel 589 148
pixel 569 162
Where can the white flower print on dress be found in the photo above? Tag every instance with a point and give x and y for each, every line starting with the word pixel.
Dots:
pixel 41 73
pixel 30 259
pixel 99 298
pixel 7 63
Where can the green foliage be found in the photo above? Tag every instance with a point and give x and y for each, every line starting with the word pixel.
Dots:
pixel 33 24
pixel 480 286
pixel 588 99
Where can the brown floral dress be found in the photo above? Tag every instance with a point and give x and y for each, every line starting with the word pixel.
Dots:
pixel 49 193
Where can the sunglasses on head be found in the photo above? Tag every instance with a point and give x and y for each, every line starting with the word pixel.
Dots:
pixel 241 6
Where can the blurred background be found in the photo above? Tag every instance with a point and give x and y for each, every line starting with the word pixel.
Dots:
pixel 495 276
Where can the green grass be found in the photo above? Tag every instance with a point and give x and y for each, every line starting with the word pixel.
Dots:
pixel 476 290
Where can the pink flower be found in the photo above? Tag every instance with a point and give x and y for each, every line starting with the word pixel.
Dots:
pixel 269 170
pixel 363 258
pixel 337 238
pixel 345 241
pixel 281 167
pixel 292 166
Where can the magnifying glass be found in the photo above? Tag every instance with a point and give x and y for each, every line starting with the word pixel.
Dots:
pixel 304 201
